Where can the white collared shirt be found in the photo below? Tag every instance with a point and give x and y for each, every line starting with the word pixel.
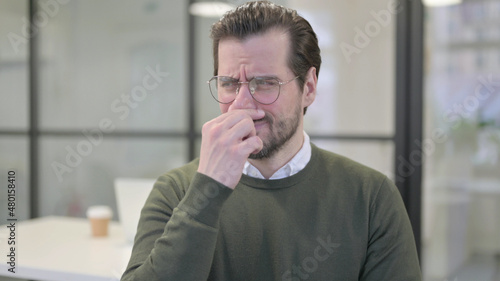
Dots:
pixel 298 162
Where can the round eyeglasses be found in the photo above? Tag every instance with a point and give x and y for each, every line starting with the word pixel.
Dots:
pixel 264 90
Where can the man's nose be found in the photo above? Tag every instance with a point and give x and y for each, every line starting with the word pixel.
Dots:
pixel 243 99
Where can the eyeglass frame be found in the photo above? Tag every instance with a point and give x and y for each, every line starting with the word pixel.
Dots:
pixel 280 83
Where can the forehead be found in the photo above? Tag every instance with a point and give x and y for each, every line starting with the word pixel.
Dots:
pixel 259 54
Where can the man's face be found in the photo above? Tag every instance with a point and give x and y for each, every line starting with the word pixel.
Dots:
pixel 265 55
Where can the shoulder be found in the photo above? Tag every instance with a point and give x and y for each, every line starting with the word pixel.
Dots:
pixel 346 177
pixel 355 185
pixel 181 174
pixel 344 168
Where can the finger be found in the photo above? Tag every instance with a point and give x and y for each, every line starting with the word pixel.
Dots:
pixel 251 145
pixel 255 114
pixel 243 129
pixel 233 117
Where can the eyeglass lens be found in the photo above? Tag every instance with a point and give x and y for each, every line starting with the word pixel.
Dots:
pixel 264 90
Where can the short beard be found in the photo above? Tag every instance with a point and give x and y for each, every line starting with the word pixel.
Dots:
pixel 279 135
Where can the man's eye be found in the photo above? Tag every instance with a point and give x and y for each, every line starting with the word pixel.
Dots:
pixel 227 84
pixel 266 82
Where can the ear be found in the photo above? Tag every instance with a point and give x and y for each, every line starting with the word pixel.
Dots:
pixel 309 90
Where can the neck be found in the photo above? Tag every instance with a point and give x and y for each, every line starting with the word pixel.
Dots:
pixel 269 166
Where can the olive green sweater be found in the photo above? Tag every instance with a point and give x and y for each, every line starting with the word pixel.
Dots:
pixel 334 220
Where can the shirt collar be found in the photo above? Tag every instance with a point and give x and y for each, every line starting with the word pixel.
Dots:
pixel 295 165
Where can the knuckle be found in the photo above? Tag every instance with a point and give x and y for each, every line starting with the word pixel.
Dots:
pixel 210 128
pixel 206 127
pixel 216 130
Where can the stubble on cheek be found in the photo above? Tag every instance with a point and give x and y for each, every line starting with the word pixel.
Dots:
pixel 278 134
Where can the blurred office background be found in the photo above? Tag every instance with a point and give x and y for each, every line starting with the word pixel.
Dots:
pixel 96 90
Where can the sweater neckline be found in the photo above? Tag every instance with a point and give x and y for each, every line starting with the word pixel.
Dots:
pixel 295 179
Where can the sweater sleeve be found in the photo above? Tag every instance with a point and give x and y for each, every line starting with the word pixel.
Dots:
pixel 391 254
pixel 176 239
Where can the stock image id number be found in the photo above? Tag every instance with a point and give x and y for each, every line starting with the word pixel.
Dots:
pixel 11 193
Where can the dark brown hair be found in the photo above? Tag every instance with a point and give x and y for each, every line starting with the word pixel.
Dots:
pixel 260 16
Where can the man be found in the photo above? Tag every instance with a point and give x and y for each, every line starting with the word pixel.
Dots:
pixel 262 202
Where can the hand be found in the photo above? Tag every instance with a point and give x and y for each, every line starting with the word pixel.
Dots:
pixel 226 143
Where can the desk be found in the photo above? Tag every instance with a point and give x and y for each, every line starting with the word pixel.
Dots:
pixel 61 248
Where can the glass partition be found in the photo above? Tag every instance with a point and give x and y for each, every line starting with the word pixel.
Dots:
pixel 118 60
pixel 14 105
pixel 461 186
pixel 113 98
pixel 76 174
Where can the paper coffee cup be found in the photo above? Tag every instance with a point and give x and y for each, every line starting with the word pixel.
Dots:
pixel 99 217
